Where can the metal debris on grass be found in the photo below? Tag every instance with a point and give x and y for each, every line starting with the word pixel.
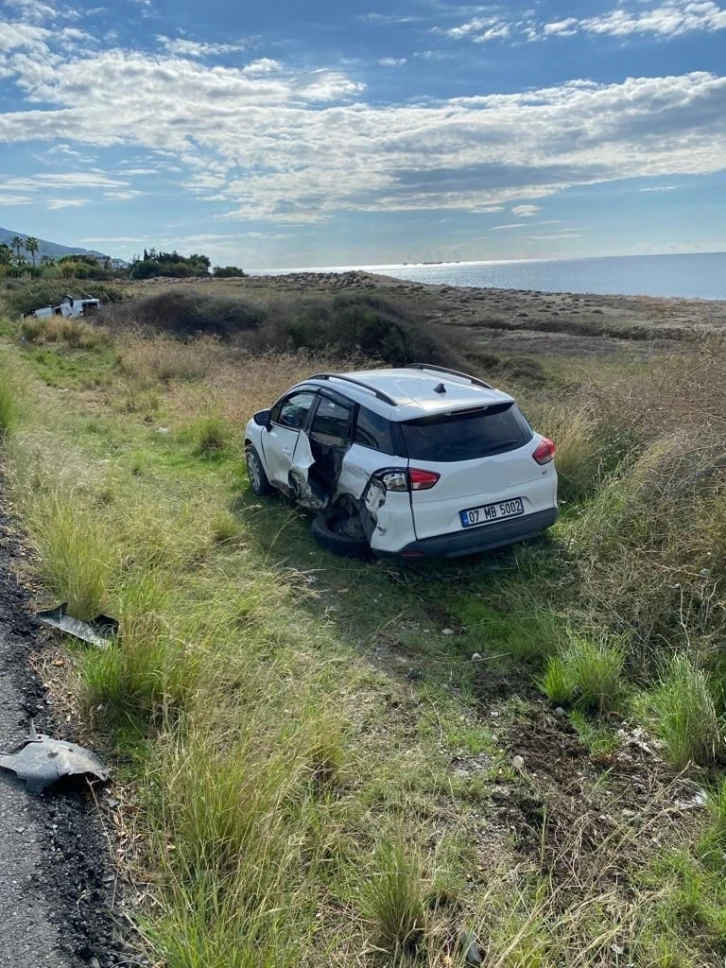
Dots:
pixel 98 632
pixel 42 761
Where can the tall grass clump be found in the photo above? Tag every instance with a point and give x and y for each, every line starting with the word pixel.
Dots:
pixel 394 900
pixel 680 710
pixel 57 329
pixel 8 403
pixel 74 553
pixel 211 434
pixel 588 674
pixel 712 846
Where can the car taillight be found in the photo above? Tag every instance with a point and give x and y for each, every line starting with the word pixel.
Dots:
pixel 400 479
pixel 545 452
pixel 422 480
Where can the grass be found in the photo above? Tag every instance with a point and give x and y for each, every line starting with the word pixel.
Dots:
pixel 8 403
pixel 320 775
pixel 394 901
pixel 588 674
pixel 682 712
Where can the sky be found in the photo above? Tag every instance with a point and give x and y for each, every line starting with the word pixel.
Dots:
pixel 365 132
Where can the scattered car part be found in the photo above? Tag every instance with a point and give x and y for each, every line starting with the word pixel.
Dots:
pixel 98 632
pixel 42 761
pixel 336 531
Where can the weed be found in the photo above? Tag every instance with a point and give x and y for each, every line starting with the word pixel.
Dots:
pixel 394 900
pixel 225 527
pixel 712 847
pixel 680 710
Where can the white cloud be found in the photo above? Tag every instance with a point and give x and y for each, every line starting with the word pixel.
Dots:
pixel 14 199
pixel 124 195
pixel 392 61
pixel 526 211
pixel 193 48
pixel 670 18
pixel 511 225
pixel 54 203
pixel 299 146
pixel 660 188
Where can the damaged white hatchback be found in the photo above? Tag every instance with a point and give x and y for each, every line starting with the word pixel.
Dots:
pixel 413 462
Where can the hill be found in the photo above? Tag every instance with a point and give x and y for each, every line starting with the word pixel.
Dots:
pixel 53 249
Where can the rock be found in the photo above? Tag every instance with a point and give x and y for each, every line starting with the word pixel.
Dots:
pixel 476 657
pixel 518 763
pixel 447 631
pixel 560 712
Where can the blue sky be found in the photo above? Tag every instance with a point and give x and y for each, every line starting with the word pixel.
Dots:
pixel 343 132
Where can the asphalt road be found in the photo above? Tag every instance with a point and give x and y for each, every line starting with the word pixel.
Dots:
pixel 56 885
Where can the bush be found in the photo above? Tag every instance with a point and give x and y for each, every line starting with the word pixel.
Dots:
pixel 228 272
pixel 185 313
pixel 680 710
pixel 588 674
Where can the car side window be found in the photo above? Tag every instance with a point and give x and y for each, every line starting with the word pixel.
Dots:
pixel 293 412
pixel 373 431
pixel 331 424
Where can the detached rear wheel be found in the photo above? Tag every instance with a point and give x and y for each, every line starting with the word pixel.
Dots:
pixel 340 533
pixel 256 472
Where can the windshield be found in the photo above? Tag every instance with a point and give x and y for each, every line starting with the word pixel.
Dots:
pixel 468 434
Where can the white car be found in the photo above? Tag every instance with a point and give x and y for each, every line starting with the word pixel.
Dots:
pixel 413 462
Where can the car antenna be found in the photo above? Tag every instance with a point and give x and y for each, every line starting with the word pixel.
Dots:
pixel 440 388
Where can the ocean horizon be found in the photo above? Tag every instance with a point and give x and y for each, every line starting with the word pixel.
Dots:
pixel 681 275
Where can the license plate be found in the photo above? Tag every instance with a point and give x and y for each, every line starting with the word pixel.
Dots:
pixel 492 512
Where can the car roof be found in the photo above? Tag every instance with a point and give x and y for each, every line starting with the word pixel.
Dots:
pixel 408 393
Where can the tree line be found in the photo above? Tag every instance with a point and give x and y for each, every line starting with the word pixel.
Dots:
pixel 14 263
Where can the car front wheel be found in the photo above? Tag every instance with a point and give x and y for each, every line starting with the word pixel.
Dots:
pixel 256 473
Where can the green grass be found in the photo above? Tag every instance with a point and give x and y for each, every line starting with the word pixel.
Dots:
pixel 394 900
pixel 682 712
pixel 587 674
pixel 322 776
pixel 8 402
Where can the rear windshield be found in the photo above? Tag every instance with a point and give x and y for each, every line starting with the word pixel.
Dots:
pixel 468 434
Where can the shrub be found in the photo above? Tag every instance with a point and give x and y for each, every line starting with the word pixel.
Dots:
pixel 555 683
pixel 394 901
pixel 680 710
pixel 185 313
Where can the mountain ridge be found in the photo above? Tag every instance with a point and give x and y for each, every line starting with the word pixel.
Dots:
pixel 54 249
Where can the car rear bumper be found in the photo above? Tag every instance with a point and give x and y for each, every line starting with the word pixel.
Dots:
pixel 475 540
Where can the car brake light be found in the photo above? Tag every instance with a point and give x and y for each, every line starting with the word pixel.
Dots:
pixel 400 479
pixel 545 452
pixel 422 480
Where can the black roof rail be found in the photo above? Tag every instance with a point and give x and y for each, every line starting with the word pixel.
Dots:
pixel 359 383
pixel 445 369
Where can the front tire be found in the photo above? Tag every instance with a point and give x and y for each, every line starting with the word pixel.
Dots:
pixel 335 530
pixel 256 473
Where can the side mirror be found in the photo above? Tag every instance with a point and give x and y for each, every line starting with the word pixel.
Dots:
pixel 262 419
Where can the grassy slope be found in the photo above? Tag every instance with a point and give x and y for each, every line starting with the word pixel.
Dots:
pixel 322 771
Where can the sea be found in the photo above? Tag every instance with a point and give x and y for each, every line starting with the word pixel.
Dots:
pixel 690 276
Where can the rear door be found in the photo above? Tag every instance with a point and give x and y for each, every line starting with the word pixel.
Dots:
pixel 289 418
pixel 483 457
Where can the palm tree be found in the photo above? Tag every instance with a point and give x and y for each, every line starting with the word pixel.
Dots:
pixel 17 243
pixel 32 245
pixel 47 260
pixel 6 254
